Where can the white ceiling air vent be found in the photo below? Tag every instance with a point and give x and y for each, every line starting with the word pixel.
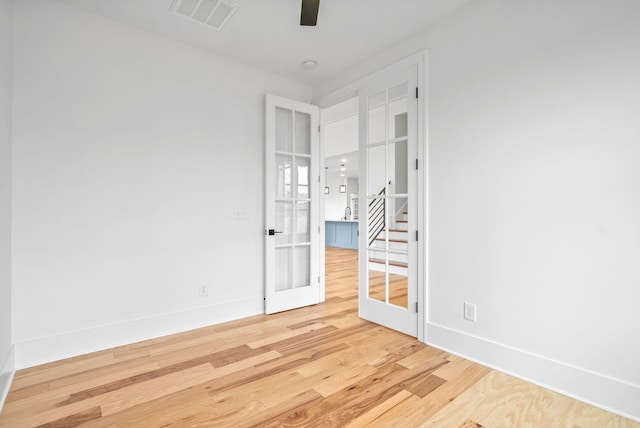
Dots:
pixel 212 13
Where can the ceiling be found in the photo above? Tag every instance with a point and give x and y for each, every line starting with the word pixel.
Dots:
pixel 350 162
pixel 266 33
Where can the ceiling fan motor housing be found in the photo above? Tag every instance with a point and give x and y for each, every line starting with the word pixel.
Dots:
pixel 309 13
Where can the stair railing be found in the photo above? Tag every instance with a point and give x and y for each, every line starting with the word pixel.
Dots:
pixel 377 217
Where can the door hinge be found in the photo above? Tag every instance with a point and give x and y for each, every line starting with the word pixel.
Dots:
pixel 318 179
pixel 416 235
pixel 416 163
pixel 416 92
pixel 318 280
pixel 318 129
pixel 416 307
pixel 318 229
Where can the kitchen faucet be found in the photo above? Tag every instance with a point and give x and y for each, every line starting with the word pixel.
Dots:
pixel 347 213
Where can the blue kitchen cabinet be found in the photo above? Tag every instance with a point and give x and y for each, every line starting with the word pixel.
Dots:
pixel 342 234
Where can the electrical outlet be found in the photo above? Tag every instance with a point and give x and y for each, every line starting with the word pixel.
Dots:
pixel 470 311
pixel 239 214
pixel 203 290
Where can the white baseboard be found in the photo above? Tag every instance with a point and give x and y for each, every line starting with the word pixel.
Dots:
pixel 601 391
pixel 34 352
pixel 7 371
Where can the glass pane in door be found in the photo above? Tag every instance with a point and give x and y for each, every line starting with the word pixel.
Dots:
pixel 398 251
pixel 400 125
pixel 398 290
pixel 283 179
pixel 284 267
pixel 377 247
pixel 303 222
pixel 377 222
pixel 376 118
pixel 377 282
pixel 284 222
pixel 302 177
pixel 303 267
pixel 397 167
pixel 376 170
pixel 303 134
pixel 284 130
pixel 397 112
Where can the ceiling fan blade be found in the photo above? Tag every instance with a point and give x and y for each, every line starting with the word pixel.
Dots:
pixel 309 13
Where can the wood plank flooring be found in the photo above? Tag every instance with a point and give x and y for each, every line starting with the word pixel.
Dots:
pixel 319 366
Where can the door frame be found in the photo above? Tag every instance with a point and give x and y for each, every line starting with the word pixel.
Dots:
pixel 350 90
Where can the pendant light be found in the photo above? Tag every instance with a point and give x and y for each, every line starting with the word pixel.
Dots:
pixel 326 188
pixel 342 188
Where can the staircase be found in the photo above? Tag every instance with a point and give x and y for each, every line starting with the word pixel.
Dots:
pixel 398 247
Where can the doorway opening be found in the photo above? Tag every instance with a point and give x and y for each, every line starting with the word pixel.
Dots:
pixel 340 140
pixel 378 132
pixel 386 248
pixel 379 127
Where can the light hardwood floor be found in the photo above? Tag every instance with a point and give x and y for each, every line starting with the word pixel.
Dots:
pixel 319 366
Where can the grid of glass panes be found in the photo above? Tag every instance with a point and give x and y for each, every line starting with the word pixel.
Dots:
pixel 387 195
pixel 293 199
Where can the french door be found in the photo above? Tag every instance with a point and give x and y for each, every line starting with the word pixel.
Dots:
pixel 388 202
pixel 292 239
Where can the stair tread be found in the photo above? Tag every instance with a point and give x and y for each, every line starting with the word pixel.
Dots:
pixel 394 230
pixel 391 262
pixel 402 241
pixel 402 221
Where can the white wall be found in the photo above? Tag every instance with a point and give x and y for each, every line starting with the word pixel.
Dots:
pixel 6 351
pixel 341 136
pixel 534 180
pixel 131 153
pixel 533 188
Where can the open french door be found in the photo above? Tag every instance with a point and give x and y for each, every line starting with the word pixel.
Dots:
pixel 388 251
pixel 292 238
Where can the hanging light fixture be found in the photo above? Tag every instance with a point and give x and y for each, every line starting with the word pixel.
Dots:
pixel 326 188
pixel 342 188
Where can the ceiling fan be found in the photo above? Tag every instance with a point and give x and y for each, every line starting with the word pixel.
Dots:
pixel 309 13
